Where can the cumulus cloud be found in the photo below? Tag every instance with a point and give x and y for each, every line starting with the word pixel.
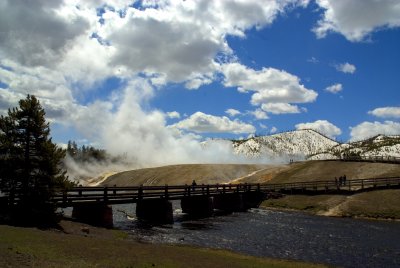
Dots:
pixel 335 88
pixel 346 68
pixel 356 19
pixel 187 35
pixel 35 33
pixel 205 123
pixel 370 129
pixel 280 108
pixel 270 85
pixel 232 112
pixel 386 112
pixel 322 126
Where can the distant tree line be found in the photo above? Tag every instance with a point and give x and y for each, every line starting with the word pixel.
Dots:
pixel 85 153
pixel 89 154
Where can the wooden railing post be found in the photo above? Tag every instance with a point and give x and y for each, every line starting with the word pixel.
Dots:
pixel 208 190
pixel 166 192
pixel 105 198
pixel 64 197
pixel 140 192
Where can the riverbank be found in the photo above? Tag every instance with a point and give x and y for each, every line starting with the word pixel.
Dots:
pixel 381 204
pixel 79 245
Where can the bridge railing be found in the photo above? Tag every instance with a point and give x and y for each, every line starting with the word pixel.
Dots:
pixel 351 185
pixel 382 159
pixel 132 194
pixel 135 193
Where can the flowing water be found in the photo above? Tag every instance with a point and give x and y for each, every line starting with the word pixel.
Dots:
pixel 287 235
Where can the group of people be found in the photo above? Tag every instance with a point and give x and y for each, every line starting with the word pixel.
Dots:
pixel 341 181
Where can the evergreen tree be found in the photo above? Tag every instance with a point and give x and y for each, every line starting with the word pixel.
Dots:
pixel 30 161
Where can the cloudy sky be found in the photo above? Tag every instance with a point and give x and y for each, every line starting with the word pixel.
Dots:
pixel 128 75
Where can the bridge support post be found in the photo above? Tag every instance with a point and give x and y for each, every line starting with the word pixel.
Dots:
pixel 229 202
pixel 253 199
pixel 155 210
pixel 95 214
pixel 198 206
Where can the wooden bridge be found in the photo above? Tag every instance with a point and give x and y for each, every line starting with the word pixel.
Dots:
pixel 153 202
pixel 92 204
pixel 135 194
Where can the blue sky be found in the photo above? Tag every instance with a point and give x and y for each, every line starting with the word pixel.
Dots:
pixel 112 73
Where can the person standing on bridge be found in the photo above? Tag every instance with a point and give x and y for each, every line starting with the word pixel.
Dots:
pixel 193 185
pixel 344 179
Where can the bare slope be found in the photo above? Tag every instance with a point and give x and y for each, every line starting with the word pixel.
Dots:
pixel 239 173
pixel 182 174
pixel 324 170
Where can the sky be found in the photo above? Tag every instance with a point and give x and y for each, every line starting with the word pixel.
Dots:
pixel 157 77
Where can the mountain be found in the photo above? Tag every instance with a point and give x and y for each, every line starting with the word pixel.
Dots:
pixel 312 145
pixel 380 145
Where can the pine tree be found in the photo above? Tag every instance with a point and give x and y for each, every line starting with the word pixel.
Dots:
pixel 30 160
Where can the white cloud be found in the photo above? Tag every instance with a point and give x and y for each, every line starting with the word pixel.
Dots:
pixel 270 85
pixel 370 129
pixel 335 88
pixel 322 126
pixel 280 108
pixel 173 114
pixel 259 114
pixel 356 19
pixel 386 112
pixel 205 123
pixel 346 68
pixel 232 112
pixel 34 33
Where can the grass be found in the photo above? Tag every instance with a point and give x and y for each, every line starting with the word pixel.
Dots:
pixel 307 203
pixel 29 247
pixel 381 204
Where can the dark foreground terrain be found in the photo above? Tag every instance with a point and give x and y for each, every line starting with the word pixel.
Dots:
pixel 79 245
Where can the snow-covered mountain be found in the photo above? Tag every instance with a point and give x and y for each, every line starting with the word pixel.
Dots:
pixel 309 144
pixel 294 144
pixel 380 145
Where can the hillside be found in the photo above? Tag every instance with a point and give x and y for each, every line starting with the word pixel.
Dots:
pixel 183 174
pixel 324 170
pixel 207 173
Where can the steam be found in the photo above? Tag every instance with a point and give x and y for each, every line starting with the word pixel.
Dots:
pixel 145 138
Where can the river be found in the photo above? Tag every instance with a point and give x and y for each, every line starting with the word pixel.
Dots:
pixel 287 235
